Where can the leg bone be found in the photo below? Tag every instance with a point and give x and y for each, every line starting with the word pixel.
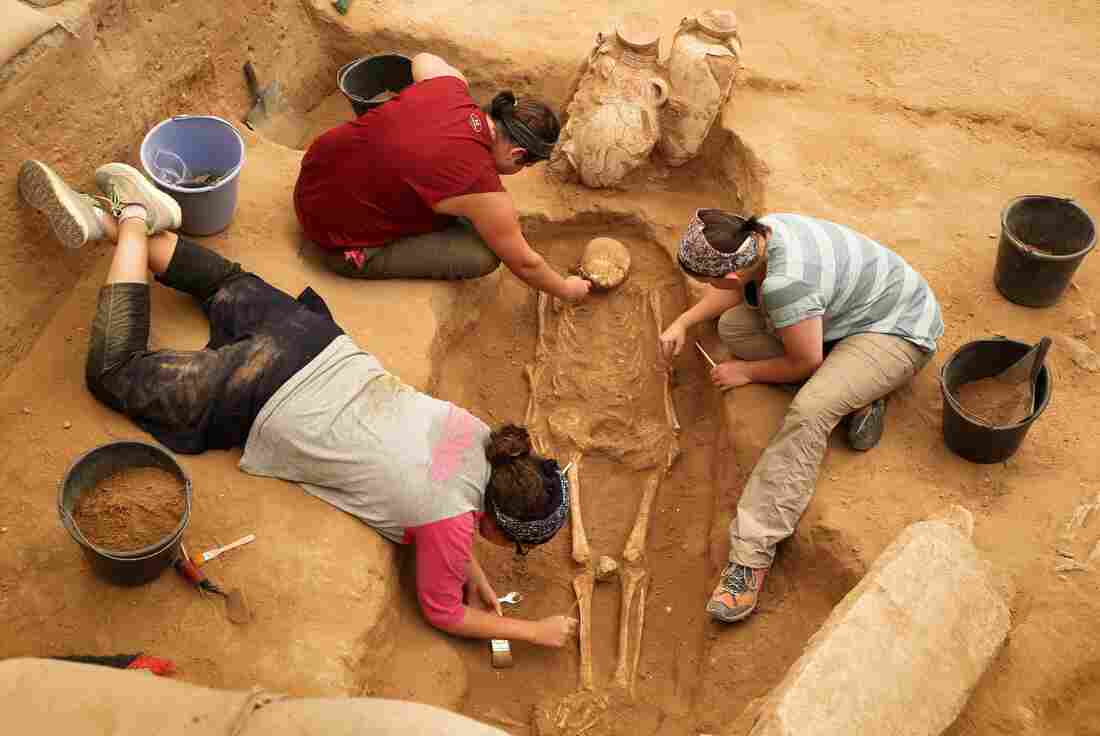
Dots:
pixel 638 634
pixel 533 373
pixel 540 338
pixel 670 406
pixel 581 553
pixel 582 586
pixel 635 543
pixel 631 578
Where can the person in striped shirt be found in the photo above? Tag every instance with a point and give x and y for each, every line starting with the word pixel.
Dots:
pixel 806 301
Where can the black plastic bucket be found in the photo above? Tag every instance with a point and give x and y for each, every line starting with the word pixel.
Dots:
pixel 973 440
pixel 133 567
pixel 1043 241
pixel 363 79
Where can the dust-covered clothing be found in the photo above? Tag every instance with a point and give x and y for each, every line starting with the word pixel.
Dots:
pixel 375 179
pixel 857 370
pixel 353 434
pixel 192 400
pixel 281 378
pixel 409 465
pixel 456 252
pixel 818 268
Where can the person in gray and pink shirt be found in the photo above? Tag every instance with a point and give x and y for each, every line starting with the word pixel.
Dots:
pixel 807 302
pixel 280 378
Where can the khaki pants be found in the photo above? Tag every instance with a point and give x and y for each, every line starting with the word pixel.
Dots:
pixel 456 252
pixel 858 370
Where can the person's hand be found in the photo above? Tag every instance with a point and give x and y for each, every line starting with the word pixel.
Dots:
pixel 731 374
pixel 576 289
pixel 489 597
pixel 554 631
pixel 671 341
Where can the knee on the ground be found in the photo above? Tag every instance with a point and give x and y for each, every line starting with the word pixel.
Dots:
pixel 483 263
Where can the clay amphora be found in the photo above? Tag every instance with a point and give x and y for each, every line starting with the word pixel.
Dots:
pixel 702 66
pixel 613 121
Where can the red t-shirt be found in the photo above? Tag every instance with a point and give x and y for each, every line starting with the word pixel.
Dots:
pixel 443 550
pixel 375 179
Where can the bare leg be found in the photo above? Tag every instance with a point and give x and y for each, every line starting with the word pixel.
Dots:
pixel 136 253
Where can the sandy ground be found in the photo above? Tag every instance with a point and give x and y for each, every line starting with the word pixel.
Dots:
pixel 914 125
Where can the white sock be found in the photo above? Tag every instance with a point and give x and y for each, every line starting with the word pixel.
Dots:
pixel 132 212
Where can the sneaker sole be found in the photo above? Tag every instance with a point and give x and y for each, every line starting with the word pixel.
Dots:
pixel 718 611
pixel 148 190
pixel 46 192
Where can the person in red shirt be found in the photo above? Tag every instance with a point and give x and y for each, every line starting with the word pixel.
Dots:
pixel 412 189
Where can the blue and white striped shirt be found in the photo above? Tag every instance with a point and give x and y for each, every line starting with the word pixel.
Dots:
pixel 817 268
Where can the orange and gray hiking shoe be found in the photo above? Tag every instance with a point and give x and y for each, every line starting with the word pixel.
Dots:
pixel 737 592
pixel 123 185
pixel 71 214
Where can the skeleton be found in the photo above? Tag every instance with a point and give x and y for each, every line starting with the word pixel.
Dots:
pixel 581 553
pixel 632 579
pixel 583 585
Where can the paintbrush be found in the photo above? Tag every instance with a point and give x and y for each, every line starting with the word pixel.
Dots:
pixel 704 352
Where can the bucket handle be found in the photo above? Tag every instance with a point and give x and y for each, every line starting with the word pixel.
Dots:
pixel 84 540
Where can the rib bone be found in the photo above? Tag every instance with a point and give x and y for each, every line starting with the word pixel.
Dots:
pixel 581 553
pixel 631 578
pixel 582 586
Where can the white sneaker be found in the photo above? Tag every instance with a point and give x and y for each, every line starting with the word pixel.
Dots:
pixel 72 215
pixel 123 184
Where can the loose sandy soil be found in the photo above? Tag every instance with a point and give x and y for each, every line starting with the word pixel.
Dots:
pixel 912 124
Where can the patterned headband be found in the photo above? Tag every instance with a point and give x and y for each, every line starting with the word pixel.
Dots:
pixel 539 530
pixel 699 256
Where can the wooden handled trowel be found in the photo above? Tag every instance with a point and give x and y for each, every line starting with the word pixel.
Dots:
pixel 266 101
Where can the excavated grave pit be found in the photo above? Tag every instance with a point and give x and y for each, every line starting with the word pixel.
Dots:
pixel 601 364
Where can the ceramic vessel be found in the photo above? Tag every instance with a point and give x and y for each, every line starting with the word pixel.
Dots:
pixel 702 67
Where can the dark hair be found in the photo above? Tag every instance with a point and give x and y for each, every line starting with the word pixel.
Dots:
pixel 528 123
pixel 515 482
pixel 726 232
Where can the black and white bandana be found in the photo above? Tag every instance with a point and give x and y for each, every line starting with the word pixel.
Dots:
pixel 537 531
pixel 697 255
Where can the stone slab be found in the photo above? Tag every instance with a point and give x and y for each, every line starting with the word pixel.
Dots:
pixel 904 649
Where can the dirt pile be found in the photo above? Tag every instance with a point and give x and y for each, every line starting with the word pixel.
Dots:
pixel 995 402
pixel 131 509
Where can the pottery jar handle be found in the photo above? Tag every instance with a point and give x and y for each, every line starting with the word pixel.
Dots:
pixel 660 88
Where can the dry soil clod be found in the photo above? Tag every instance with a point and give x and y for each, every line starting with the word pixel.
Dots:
pixel 632 578
pixel 582 586
pixel 581 552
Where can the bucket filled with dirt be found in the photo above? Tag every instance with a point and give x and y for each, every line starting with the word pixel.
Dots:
pixel 126 504
pixel 985 419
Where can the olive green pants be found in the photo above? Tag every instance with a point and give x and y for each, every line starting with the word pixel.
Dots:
pixel 859 369
pixel 457 252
